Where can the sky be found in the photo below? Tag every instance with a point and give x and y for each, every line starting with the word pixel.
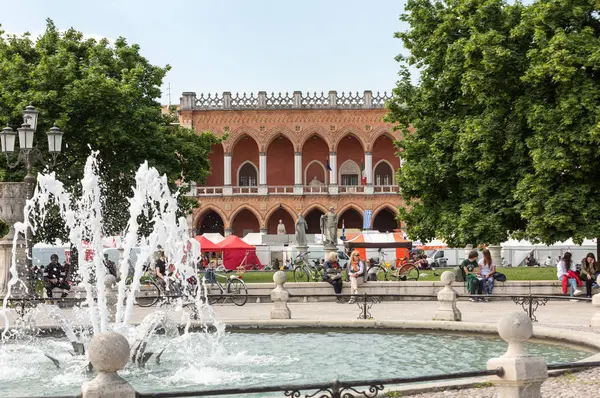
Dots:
pixel 239 45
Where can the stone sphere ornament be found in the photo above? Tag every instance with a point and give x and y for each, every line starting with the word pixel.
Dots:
pixel 108 352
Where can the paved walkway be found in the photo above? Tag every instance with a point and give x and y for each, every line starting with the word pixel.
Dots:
pixel 555 314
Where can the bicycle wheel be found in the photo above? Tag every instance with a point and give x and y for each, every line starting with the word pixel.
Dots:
pixel 301 274
pixel 377 273
pixel 237 288
pixel 408 272
pixel 148 295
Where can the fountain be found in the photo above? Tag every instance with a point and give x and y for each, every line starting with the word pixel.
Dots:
pixel 83 220
pixel 180 360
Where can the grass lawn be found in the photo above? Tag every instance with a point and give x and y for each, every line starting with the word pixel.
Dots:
pixel 512 274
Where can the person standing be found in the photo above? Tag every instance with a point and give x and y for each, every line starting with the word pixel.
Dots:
pixel 590 269
pixel 487 269
pixel 356 269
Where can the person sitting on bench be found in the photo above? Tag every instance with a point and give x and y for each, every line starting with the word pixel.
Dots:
pixel 55 277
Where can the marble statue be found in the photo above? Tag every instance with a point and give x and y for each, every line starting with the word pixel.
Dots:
pixel 280 228
pixel 301 228
pixel 329 223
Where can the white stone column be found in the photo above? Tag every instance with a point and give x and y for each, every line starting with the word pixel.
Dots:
pixel 369 167
pixel 333 164
pixel 298 168
pixel 262 173
pixel 333 189
pixel 523 374
pixel 227 190
pixel 298 190
pixel 369 171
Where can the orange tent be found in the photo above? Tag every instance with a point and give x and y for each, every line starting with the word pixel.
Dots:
pixel 375 240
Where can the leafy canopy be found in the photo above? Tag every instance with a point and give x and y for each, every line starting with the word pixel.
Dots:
pixel 103 97
pixel 501 132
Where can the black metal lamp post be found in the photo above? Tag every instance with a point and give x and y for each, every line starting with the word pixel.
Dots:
pixel 27 155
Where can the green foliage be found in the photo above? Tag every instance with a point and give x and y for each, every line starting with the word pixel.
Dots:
pixel 4 228
pixel 103 97
pixel 500 135
pixel 560 195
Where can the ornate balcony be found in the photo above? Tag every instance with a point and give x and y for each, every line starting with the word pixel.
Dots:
pixel 298 190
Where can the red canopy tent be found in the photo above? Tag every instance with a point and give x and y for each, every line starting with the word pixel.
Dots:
pixel 207 246
pixel 234 250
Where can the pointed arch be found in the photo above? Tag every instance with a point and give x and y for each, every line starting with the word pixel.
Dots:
pixel 385 206
pixel 348 131
pixel 250 209
pixel 312 217
pixel 237 174
pixel 201 212
pixel 393 182
pixel 280 212
pixel 382 131
pixel 344 209
pixel 326 177
pixel 349 167
pixel 317 131
pixel 236 135
pixel 283 206
pixel 312 207
pixel 389 206
pixel 276 132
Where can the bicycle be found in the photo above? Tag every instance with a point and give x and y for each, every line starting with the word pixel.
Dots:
pixel 304 272
pixel 156 291
pixel 235 288
pixel 379 272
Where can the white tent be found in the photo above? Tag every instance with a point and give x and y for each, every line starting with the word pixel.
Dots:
pixel 253 238
pixel 214 237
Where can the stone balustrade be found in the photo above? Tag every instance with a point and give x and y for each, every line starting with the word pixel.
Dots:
pixel 296 100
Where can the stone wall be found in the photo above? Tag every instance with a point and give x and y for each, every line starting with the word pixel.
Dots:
pixel 12 203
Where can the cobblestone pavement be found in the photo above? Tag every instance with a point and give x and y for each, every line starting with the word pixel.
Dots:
pixel 573 385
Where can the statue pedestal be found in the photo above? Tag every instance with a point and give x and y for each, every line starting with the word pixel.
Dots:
pixel 301 249
pixel 330 248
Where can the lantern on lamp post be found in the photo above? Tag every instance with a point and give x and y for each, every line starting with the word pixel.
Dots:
pixel 27 155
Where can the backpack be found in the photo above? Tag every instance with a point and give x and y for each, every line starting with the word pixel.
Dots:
pixel 459 275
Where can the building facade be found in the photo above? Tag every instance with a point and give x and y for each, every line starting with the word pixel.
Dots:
pixel 290 154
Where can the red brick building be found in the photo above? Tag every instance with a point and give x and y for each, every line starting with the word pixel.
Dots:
pixel 273 164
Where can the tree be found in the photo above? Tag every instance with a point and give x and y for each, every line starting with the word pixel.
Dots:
pixel 103 97
pixel 559 195
pixel 463 126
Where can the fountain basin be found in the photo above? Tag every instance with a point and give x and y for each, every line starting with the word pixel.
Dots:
pixel 247 357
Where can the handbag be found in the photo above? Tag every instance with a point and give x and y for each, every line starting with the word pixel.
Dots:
pixel 335 277
pixel 500 277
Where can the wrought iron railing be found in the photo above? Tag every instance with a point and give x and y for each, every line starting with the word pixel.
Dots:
pixel 348 389
pixel 333 389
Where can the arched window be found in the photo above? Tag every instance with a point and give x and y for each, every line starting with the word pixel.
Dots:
pixel 384 174
pixel 349 173
pixel 247 175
